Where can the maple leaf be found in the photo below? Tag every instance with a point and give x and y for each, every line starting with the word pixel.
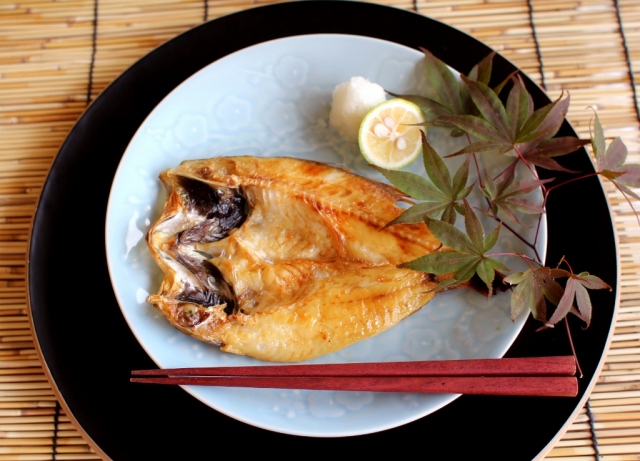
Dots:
pixel 452 97
pixel 542 154
pixel 533 288
pixel 474 108
pixel 611 162
pixel 496 129
pixel 517 126
pixel 468 252
pixel 441 195
pixel 576 290
pixel 505 194
pixel 541 151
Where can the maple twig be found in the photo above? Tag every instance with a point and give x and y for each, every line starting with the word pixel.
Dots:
pixel 524 257
pixel 515 233
pixel 531 167
pixel 490 211
pixel 545 194
pixel 492 121
pixel 628 201
pixel 568 181
pixel 512 165
pixel 544 208
pixel 564 260
pixel 475 161
pixel 546 191
pixel 573 349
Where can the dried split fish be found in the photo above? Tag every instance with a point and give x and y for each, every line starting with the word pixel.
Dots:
pixel 284 259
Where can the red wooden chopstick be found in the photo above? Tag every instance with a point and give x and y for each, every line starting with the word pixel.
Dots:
pixel 526 366
pixel 532 376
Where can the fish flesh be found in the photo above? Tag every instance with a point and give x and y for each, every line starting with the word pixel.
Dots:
pixel 284 259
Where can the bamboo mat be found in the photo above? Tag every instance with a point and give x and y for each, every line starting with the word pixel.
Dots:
pixel 57 56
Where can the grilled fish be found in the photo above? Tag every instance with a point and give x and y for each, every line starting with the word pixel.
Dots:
pixel 284 259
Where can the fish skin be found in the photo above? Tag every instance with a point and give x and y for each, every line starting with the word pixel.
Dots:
pixel 312 267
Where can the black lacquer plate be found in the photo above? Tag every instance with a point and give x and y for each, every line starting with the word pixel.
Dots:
pixel 89 350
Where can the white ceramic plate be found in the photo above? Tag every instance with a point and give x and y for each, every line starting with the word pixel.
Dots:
pixel 273 99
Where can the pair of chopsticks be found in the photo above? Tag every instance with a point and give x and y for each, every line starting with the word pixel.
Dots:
pixel 531 376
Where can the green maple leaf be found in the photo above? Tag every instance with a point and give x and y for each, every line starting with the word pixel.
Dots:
pixel 506 195
pixel 542 151
pixel 468 252
pixel 452 97
pixel 441 195
pixel 517 126
pixel 501 129
pixel 611 162
pixel 470 106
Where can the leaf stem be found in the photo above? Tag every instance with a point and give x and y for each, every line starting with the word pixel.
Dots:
pixel 514 232
pixel 524 160
pixel 519 255
pixel 522 256
pixel 489 204
pixel 545 194
pixel 475 161
pixel 573 349
pixel 568 181
pixel 564 260
pixel 628 201
pixel 503 171
pixel 547 191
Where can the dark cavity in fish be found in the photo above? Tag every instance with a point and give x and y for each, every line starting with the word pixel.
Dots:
pixel 222 210
pixel 213 289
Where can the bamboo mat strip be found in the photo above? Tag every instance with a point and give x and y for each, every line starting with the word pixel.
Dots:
pixel 56 56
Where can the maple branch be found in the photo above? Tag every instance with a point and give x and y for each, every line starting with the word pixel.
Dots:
pixel 499 126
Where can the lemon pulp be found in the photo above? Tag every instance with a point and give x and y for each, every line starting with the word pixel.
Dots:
pixel 389 137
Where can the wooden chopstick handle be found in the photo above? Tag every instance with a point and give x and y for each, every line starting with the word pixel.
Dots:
pixel 527 366
pixel 513 386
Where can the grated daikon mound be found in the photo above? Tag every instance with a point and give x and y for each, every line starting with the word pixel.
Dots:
pixel 351 102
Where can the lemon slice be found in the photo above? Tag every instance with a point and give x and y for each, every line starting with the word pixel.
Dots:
pixel 387 137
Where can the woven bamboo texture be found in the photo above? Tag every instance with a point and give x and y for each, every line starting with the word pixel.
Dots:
pixel 57 56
